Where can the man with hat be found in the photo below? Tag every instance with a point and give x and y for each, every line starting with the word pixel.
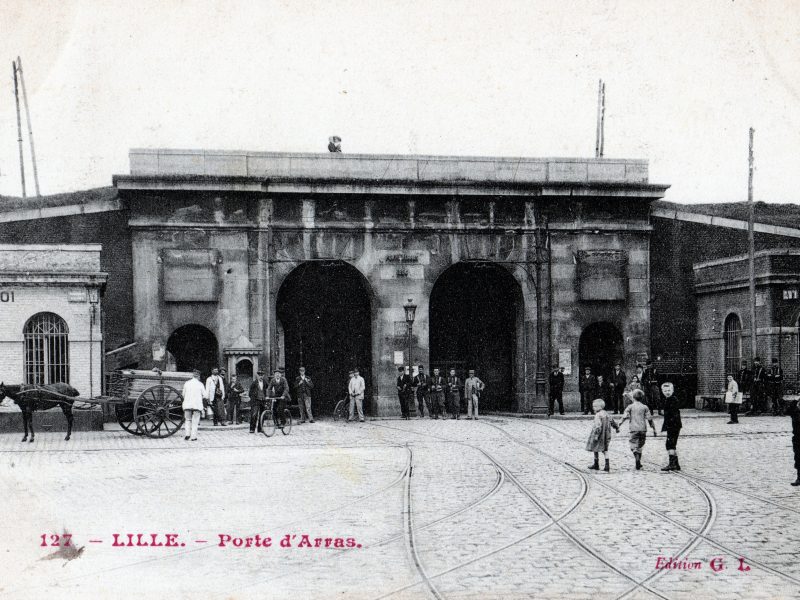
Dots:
pixel 454 395
pixel 587 386
pixel 757 387
pixel 617 383
pixel 257 396
pixel 650 386
pixel 304 385
pixel 422 384
pixel 404 390
pixel 215 392
pixel 775 387
pixel 472 392
pixel 279 390
pixel 556 381
pixel 355 389
pixel 194 392
pixel 437 383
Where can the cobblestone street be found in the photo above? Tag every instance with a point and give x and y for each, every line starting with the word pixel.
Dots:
pixel 499 508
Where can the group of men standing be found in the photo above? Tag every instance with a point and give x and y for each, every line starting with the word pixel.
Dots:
pixel 592 387
pixel 762 383
pixel 438 393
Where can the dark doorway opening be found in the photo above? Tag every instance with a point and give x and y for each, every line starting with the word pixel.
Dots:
pixel 194 347
pixel 474 309
pixel 326 314
pixel 599 347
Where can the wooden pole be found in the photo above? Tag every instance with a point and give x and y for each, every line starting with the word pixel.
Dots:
pixel 30 127
pixel 19 130
pixel 601 113
pixel 752 254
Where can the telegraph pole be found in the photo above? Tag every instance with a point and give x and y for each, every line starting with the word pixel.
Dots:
pixel 752 253
pixel 601 117
pixel 30 127
pixel 19 130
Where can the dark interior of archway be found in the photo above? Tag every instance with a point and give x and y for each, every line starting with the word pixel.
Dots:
pixel 600 345
pixel 194 346
pixel 473 312
pixel 326 317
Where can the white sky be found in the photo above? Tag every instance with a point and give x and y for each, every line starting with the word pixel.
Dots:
pixel 684 82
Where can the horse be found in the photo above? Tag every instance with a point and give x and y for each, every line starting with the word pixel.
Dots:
pixel 30 398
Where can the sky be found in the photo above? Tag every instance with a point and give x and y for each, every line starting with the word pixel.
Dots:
pixel 685 80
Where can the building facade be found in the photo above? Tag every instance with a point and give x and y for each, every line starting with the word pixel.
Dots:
pixel 50 298
pixel 514 265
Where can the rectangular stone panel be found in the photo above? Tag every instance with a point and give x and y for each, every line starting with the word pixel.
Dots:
pixel 190 275
pixel 602 275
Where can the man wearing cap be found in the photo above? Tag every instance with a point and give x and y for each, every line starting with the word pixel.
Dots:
pixel 775 387
pixel 472 392
pixel 437 383
pixel 757 387
pixel 556 381
pixel 404 390
pixel 356 389
pixel 454 395
pixel 215 392
pixel 617 383
pixel 587 386
pixel 304 385
pixel 422 384
pixel 257 395
pixel 278 389
pixel 193 395
pixel 650 386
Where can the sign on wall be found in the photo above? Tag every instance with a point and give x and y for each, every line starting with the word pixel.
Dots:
pixel 565 360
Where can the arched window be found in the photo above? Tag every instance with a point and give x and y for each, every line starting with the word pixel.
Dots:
pixel 733 343
pixel 46 349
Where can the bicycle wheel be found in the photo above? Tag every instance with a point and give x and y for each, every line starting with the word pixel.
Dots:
pixel 340 412
pixel 287 427
pixel 267 423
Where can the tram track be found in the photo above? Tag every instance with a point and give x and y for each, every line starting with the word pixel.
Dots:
pixel 698 536
pixel 689 476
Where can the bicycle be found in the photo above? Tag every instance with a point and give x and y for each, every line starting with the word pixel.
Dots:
pixel 269 420
pixel 342 410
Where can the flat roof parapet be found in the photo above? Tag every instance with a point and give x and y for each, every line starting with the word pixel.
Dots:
pixel 385 167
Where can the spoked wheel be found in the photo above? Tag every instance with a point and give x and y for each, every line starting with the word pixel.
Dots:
pixel 340 412
pixel 267 423
pixel 124 413
pixel 287 427
pixel 158 411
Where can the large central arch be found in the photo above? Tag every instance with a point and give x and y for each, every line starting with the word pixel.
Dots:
pixel 325 311
pixel 475 313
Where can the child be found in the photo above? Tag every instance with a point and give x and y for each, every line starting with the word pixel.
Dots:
pixel 639 415
pixel 600 435
pixel 671 425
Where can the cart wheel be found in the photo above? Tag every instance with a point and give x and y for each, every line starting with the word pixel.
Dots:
pixel 267 423
pixel 287 428
pixel 158 411
pixel 125 418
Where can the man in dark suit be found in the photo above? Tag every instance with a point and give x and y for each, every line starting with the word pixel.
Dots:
pixel 775 387
pixel 758 387
pixel 556 381
pixel 617 384
pixel 437 391
pixel 422 384
pixel 404 389
pixel 651 386
pixel 744 378
pixel 257 395
pixel 303 385
pixel 587 386
pixel 603 391
pixel 278 388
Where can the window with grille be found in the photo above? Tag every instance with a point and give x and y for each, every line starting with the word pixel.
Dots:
pixel 46 349
pixel 733 344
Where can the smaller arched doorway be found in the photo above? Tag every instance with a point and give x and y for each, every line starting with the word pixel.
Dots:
pixel 733 343
pixel 600 347
pixel 194 347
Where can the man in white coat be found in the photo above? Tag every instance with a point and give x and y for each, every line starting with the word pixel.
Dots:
pixel 193 394
pixel 215 394
pixel 356 389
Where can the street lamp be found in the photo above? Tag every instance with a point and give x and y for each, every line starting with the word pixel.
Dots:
pixel 411 312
